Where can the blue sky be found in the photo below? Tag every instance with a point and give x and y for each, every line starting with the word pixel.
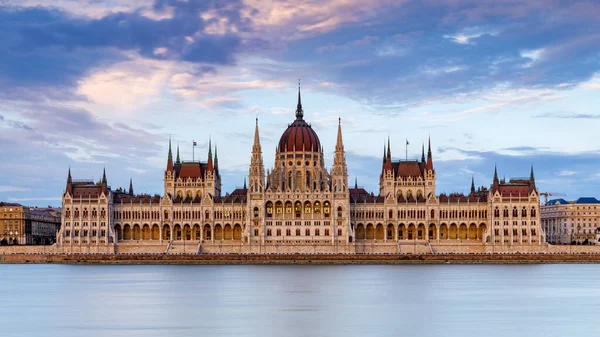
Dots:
pixel 87 84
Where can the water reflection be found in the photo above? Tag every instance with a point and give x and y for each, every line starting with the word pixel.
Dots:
pixel 440 300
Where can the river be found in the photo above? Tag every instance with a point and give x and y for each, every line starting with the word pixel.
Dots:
pixel 354 300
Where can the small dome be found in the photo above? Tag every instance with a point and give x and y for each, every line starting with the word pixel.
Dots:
pixel 299 135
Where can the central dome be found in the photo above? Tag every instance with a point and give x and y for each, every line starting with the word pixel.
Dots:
pixel 299 135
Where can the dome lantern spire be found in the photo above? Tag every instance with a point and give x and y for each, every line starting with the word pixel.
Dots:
pixel 299 111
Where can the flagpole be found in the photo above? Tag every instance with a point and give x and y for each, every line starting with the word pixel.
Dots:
pixel 193 150
pixel 406 152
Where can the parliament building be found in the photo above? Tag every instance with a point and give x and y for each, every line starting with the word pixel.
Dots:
pixel 298 203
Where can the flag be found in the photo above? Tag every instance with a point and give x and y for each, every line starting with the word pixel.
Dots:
pixel 407 142
pixel 195 143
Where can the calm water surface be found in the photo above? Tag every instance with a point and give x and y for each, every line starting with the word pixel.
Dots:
pixel 440 300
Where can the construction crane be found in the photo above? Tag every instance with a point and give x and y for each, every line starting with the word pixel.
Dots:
pixel 551 194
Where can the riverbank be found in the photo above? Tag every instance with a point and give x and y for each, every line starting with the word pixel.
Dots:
pixel 216 259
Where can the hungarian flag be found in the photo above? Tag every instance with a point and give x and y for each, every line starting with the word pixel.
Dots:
pixel 195 143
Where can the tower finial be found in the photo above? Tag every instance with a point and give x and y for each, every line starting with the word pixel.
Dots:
pixel 495 174
pixel 389 151
pixel 130 186
pixel 104 175
pixel 299 111
pixel 355 181
pixel 177 161
pixel 472 185
pixel 423 153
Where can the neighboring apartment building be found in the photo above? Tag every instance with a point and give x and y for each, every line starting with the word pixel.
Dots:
pixel 572 221
pixel 28 225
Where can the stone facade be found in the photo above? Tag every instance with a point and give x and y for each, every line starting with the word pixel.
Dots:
pixel 298 205
pixel 28 225
pixel 575 221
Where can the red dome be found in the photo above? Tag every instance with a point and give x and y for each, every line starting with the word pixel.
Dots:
pixel 302 136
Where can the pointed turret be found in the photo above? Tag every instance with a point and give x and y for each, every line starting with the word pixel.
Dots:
pixel 384 153
pixel 104 176
pixel 532 180
pixel 423 153
pixel 256 146
pixel 496 181
pixel 177 161
pixel 355 182
pixel 216 160
pixel 472 185
pixel 339 144
pixel 245 183
pixel 69 188
pixel 429 156
pixel 209 163
pixel 389 151
pixel 387 161
pixel 256 173
pixel 299 111
pixel 130 186
pixel 170 158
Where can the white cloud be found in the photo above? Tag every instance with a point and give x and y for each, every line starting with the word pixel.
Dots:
pixel 35 199
pixel 566 173
pixel 6 188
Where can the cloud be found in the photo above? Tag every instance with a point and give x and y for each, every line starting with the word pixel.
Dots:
pixel 5 188
pixel 567 115
pixel 34 199
pixel 566 173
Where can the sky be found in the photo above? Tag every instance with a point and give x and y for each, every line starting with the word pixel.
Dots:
pixel 88 84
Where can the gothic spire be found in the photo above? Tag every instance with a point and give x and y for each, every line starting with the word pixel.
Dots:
pixel 472 185
pixel 389 151
pixel 256 145
pixel 299 111
pixel 339 145
pixel 355 182
pixel 245 183
pixel 209 163
pixel 496 181
pixel 104 176
pixel 177 161
pixel 69 180
pixel 429 156
pixel 130 186
pixel 170 158
pixel 384 151
pixel 216 159
pixel 531 176
pixel 423 153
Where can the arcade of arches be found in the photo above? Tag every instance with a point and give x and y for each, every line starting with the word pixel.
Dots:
pixel 179 232
pixel 420 231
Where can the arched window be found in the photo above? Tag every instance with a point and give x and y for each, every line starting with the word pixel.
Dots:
pixel 339 212
pixel 524 212
pixel 496 212
pixel 433 214
pixel 390 214
pixel 288 207
pixel 533 212
pixel 515 212
pixel 298 209
pixel 307 208
pixel 278 208
pixel 317 207
pixel 255 212
pixel 326 208
pixel 505 212
pixel 269 209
